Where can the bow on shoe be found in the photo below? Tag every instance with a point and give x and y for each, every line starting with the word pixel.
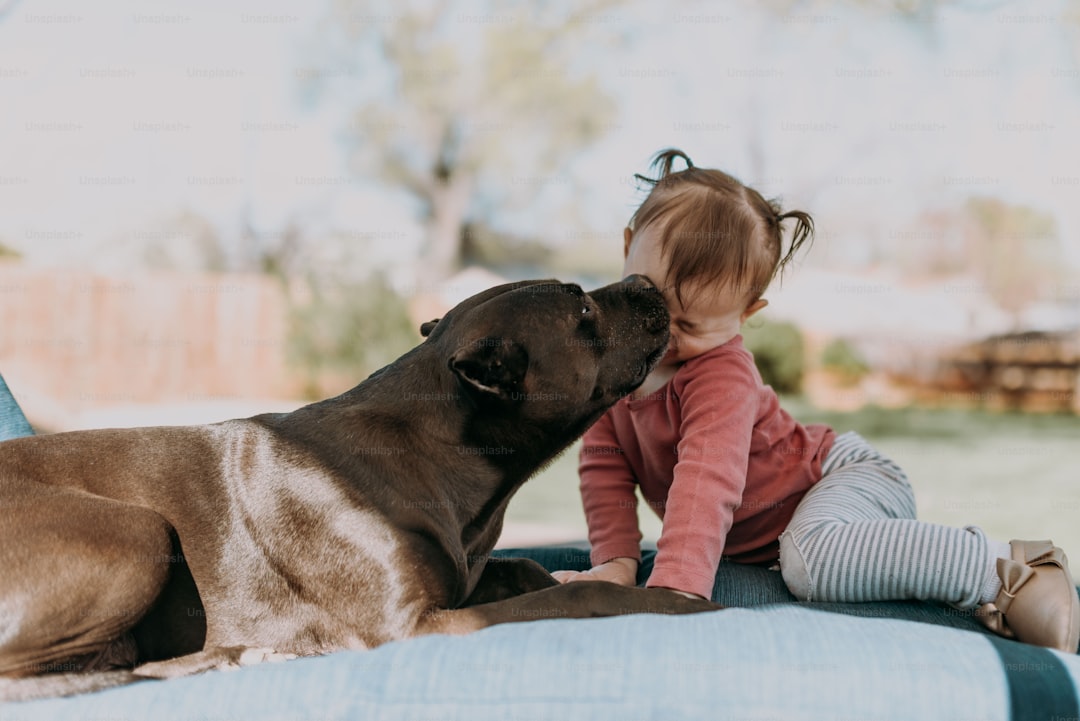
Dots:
pixel 1014 574
pixel 1038 553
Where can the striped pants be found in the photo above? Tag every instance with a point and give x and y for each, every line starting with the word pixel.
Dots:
pixel 854 537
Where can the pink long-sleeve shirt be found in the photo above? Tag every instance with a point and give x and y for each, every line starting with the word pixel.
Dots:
pixel 715 456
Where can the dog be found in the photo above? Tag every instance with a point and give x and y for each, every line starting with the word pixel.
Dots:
pixel 369 517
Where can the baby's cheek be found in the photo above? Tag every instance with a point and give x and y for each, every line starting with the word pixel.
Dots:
pixel 690 347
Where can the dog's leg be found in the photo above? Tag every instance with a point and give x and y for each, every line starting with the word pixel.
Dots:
pixel 505 578
pixel 78 572
pixel 583 599
pixel 62 684
pixel 176 624
pixel 210 659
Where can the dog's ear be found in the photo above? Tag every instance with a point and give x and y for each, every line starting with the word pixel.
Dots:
pixel 426 328
pixel 492 366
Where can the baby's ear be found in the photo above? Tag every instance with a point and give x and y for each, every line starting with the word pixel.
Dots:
pixel 627 236
pixel 753 308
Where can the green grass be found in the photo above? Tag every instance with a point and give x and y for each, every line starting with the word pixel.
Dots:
pixel 1014 475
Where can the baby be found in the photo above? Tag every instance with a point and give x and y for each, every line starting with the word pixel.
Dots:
pixel 731 474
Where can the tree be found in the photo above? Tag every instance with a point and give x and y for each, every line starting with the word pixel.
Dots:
pixel 1016 251
pixel 183 241
pixel 470 100
pixel 8 253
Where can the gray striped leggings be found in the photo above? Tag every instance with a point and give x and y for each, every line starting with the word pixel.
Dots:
pixel 854 537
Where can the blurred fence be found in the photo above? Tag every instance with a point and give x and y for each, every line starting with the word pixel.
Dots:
pixel 90 340
pixel 1030 371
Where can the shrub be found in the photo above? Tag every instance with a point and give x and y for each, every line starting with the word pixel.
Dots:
pixel 843 359
pixel 343 333
pixel 779 353
pixel 10 253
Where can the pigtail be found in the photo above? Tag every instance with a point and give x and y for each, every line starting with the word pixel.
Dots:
pixel 661 164
pixel 803 234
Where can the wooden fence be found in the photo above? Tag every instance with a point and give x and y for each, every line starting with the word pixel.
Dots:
pixel 91 340
pixel 1032 371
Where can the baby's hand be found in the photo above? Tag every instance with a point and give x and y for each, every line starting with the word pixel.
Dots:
pixel 622 571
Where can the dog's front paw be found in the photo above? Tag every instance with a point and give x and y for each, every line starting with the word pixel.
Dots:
pixel 252 656
pixel 211 659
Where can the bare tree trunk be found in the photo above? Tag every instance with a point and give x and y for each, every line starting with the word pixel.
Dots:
pixel 442 252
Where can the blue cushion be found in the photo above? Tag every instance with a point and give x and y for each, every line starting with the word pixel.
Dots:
pixel 741 585
pixel 766 658
pixel 13 423
pixel 771 662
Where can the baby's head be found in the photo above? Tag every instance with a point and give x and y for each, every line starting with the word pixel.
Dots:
pixel 713 245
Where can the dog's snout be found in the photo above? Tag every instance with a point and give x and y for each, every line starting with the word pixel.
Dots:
pixel 657 322
pixel 649 301
pixel 639 282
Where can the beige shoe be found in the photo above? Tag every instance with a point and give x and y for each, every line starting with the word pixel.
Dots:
pixel 1038 603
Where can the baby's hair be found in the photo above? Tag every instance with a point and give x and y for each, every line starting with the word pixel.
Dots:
pixel 708 223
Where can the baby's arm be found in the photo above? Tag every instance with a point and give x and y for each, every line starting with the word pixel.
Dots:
pixel 610 502
pixel 719 407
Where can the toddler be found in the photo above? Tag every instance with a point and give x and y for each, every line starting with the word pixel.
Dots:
pixel 731 474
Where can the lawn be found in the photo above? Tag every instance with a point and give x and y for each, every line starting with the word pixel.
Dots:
pixel 1016 476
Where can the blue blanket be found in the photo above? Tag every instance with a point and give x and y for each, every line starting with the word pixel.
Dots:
pixel 768 657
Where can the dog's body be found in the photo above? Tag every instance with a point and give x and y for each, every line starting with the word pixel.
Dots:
pixel 348 523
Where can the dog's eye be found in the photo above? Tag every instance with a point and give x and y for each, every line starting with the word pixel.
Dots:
pixel 585 310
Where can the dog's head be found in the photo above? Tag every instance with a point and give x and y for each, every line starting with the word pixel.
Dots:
pixel 538 353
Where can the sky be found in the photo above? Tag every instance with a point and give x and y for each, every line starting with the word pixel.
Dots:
pixel 117 115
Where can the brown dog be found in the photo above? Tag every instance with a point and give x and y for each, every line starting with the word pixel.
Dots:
pixel 348 523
